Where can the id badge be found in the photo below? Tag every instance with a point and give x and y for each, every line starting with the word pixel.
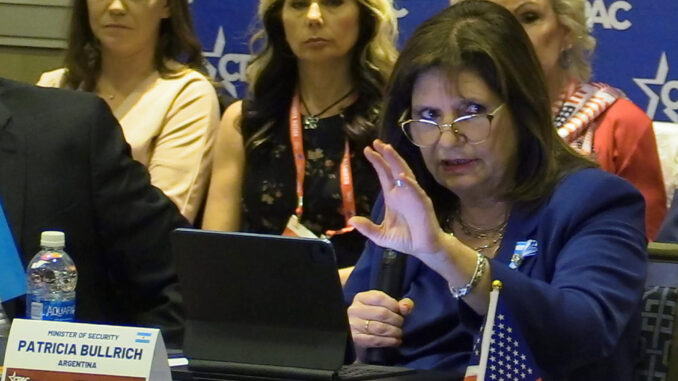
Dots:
pixel 295 228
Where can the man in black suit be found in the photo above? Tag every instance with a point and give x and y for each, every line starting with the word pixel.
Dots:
pixel 64 165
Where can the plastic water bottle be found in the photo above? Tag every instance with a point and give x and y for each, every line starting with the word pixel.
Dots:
pixel 4 333
pixel 51 278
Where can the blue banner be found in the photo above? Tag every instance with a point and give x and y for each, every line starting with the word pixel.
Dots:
pixel 637 45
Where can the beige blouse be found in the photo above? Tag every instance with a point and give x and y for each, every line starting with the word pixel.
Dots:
pixel 170 123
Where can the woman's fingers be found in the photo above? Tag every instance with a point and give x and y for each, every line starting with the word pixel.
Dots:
pixel 408 183
pixel 376 305
pixel 406 306
pixel 375 320
pixel 409 223
pixel 374 328
pixel 384 235
pixel 381 167
pixel 395 162
pixel 400 174
pixel 375 233
pixel 372 341
pixel 366 227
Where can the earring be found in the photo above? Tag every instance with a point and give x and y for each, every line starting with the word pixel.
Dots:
pixel 565 58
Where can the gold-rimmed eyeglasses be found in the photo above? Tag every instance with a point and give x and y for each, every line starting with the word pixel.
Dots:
pixel 473 129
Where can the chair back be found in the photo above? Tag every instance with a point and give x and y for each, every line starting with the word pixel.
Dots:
pixel 659 333
pixel 667 148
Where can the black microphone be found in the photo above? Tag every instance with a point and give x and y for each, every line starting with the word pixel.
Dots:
pixel 390 281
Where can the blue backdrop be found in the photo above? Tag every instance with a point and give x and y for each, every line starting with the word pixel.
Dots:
pixel 637 44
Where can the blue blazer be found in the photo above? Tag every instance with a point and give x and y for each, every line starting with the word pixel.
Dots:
pixel 577 302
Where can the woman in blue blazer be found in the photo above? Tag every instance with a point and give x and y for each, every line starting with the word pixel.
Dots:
pixel 476 187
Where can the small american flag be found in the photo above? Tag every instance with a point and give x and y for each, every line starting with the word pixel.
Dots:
pixel 502 355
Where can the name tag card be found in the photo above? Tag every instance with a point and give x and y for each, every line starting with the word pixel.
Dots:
pixel 58 351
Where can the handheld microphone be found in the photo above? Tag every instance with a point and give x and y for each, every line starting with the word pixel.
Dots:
pixel 390 281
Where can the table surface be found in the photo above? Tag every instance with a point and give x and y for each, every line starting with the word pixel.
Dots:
pixel 183 374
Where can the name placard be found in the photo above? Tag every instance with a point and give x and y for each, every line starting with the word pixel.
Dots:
pixel 59 351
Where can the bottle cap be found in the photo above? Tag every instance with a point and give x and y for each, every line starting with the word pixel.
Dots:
pixel 53 239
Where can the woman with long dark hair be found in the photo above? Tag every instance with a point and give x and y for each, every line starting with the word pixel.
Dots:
pixel 316 82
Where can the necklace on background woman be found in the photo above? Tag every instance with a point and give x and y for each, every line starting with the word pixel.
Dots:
pixel 310 119
pixel 109 95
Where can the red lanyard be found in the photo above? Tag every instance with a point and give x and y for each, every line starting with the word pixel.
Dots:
pixel 346 176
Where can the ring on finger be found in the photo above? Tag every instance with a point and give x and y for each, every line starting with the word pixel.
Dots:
pixel 367 326
pixel 399 183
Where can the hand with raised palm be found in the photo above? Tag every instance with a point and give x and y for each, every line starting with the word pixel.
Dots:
pixel 409 225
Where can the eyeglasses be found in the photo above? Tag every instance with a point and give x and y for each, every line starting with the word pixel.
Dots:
pixel 473 129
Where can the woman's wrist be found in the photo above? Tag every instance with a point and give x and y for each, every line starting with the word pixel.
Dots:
pixel 480 269
pixel 445 258
pixel 457 263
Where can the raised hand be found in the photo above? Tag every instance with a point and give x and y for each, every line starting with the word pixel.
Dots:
pixel 410 225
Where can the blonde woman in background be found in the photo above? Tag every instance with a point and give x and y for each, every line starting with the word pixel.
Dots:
pixel 318 77
pixel 594 118
pixel 143 59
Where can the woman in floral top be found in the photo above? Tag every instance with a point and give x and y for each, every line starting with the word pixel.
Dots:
pixel 314 90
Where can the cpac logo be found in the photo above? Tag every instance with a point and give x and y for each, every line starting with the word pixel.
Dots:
pixel 14 377
pixel 230 66
pixel 665 90
pixel 608 17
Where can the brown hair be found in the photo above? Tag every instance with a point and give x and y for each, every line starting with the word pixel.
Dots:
pixel 177 42
pixel 484 37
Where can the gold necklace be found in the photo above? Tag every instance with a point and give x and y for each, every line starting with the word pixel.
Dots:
pixel 497 232
pixel 105 95
pixel 490 245
pixel 478 232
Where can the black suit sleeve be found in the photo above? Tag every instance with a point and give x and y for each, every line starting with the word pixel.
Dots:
pixel 134 221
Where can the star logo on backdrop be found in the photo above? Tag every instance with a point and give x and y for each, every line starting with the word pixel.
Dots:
pixel 659 89
pixel 229 66
pixel 402 12
pixel 219 45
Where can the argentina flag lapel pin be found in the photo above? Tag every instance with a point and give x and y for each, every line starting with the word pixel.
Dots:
pixel 523 250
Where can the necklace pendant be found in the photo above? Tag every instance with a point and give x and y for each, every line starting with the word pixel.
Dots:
pixel 311 122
